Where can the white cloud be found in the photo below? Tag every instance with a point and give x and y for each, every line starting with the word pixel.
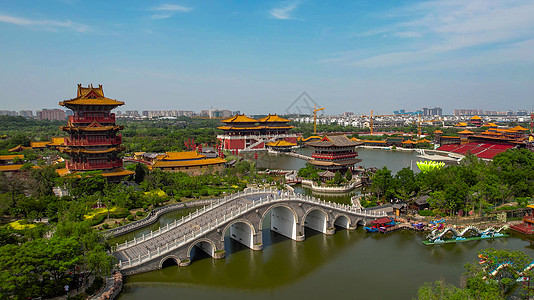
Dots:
pixel 165 11
pixel 50 25
pixel 475 29
pixel 283 12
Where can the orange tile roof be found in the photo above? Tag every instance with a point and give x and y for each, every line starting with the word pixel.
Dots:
pixel 117 172
pixel 461 124
pixel 279 127
pixel 90 96
pixel 490 125
pixel 19 148
pixel 241 128
pixel 423 141
pixel 39 144
pixel 8 168
pixel 309 138
pixel 281 143
pixel 184 155
pixel 63 172
pixel 82 150
pixel 110 173
pixel 519 128
pixel 374 141
pixel 408 142
pixel 273 118
pixel 57 141
pixel 188 163
pixel 102 101
pixel 438 131
pixel 465 132
pixel 240 119
pixel 88 128
pixel 11 157
pixel 476 118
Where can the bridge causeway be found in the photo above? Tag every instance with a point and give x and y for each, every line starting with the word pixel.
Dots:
pixel 241 215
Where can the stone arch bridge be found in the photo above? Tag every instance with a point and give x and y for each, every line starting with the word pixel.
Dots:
pixel 241 215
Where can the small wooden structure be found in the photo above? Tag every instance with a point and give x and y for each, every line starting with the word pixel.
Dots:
pixel 527 227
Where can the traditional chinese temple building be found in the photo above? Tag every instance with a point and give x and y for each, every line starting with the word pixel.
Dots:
pixel 190 162
pixel 93 142
pixel 486 144
pixel 476 121
pixel 335 153
pixel 245 133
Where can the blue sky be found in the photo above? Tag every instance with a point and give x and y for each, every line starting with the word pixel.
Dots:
pixel 259 56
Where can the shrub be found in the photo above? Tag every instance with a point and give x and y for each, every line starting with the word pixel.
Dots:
pixel 187 193
pixel 139 213
pixel 105 225
pixel 119 214
pixel 426 213
pixel 130 217
pixel 203 192
pixel 97 220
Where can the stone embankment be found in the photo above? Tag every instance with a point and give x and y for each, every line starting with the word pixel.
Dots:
pixel 112 289
pixel 332 189
pixel 154 215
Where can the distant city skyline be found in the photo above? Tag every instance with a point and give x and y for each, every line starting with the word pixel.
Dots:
pixel 259 57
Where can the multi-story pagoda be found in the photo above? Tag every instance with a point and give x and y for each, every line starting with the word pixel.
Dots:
pixel 244 133
pixel 335 153
pixel 93 143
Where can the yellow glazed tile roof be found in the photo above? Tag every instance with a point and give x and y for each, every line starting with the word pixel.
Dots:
pixel 39 144
pixel 240 119
pixel 273 118
pixel 187 163
pixel 181 155
pixel 281 143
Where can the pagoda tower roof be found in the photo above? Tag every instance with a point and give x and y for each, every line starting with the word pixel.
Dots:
pixel 240 119
pixel 518 128
pixel 91 96
pixel 273 118
pixel 334 140
pixel 476 118
pixel 465 132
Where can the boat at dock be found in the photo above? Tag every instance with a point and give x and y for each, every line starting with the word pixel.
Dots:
pixel 380 225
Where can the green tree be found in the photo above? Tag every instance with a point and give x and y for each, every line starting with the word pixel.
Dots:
pixel 406 183
pixel 338 178
pixel 348 175
pixel 382 184
pixel 140 172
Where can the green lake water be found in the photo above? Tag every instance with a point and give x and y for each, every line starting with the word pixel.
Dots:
pixel 348 264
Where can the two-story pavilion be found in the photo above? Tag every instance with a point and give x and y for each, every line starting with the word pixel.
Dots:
pixel 335 153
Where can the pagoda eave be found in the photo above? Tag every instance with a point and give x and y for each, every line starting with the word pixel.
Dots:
pixel 101 128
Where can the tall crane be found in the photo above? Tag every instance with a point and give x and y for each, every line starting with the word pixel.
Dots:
pixel 315 110
pixel 371 119
pixel 419 124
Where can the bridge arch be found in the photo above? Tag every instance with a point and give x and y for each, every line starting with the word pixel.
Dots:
pixel 342 220
pixel 205 244
pixel 166 258
pixel 361 222
pixel 318 219
pixel 241 230
pixel 284 220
